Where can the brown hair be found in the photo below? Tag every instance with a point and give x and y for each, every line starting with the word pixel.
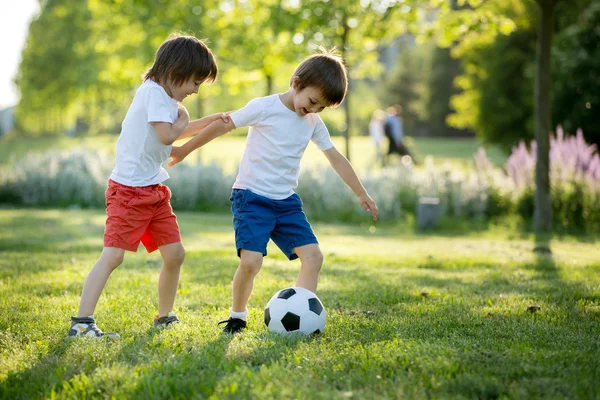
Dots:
pixel 325 71
pixel 181 58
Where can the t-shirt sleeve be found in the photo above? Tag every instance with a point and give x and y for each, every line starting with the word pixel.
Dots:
pixel 321 136
pixel 249 115
pixel 158 107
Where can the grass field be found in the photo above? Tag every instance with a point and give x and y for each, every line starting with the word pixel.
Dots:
pixel 227 151
pixel 409 316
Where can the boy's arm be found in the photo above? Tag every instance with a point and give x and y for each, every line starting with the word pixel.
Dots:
pixel 344 169
pixel 199 124
pixel 167 133
pixel 212 131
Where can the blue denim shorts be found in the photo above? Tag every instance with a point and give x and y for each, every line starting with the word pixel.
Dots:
pixel 256 219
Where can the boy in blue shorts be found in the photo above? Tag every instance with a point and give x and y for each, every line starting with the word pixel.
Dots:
pixel 264 204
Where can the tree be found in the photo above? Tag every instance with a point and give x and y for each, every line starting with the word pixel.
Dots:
pixel 407 84
pixel 267 34
pixel 440 87
pixel 356 29
pixel 543 84
pixel 494 42
pixel 542 81
pixel 53 67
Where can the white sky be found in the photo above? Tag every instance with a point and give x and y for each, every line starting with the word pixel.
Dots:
pixel 15 17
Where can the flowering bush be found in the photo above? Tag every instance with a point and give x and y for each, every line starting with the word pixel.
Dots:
pixel 57 178
pixel 78 178
pixel 574 181
pixel 571 160
pixel 199 187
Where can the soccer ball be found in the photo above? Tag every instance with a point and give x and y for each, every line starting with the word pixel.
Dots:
pixel 295 311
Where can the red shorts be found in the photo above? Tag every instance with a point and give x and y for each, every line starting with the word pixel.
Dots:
pixel 137 214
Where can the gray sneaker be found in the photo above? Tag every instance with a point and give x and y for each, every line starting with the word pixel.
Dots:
pixel 86 326
pixel 164 322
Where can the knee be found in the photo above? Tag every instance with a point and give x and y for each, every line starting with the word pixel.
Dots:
pixel 314 260
pixel 175 257
pixel 250 265
pixel 114 260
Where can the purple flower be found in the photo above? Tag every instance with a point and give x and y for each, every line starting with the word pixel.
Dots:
pixel 571 159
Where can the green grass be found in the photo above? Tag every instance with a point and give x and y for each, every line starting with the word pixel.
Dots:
pixel 409 316
pixel 454 150
pixel 227 151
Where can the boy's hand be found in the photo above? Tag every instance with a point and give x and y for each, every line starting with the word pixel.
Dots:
pixel 369 205
pixel 177 155
pixel 182 112
pixel 224 116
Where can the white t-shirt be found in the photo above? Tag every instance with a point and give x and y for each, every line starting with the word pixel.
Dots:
pixel 276 142
pixel 140 153
pixel 376 131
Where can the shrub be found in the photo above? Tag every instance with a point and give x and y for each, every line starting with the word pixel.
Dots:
pixel 78 177
pixel 574 181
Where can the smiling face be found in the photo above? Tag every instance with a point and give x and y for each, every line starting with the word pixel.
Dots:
pixel 309 100
pixel 180 92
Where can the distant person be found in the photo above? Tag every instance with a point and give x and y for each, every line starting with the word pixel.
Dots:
pixel 264 204
pixel 137 203
pixel 394 131
pixel 376 132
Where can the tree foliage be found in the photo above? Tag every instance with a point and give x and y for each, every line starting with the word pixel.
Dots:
pixel 495 42
pixel 576 66
pixel 83 59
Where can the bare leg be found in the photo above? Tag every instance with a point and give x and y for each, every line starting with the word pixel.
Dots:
pixel 243 281
pixel 173 255
pixel 312 261
pixel 110 259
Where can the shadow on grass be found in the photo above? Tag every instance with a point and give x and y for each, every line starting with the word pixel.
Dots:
pixel 372 296
pixel 215 367
pixel 155 364
pixel 186 371
pixel 42 376
pixel 165 372
pixel 405 328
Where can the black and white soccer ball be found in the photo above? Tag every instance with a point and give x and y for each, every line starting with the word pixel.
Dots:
pixel 295 311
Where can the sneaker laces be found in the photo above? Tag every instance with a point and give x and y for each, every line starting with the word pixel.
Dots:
pixel 234 322
pixel 92 327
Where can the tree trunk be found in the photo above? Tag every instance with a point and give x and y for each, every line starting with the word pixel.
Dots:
pixel 93 104
pixel 347 112
pixel 199 105
pixel 269 84
pixel 346 103
pixel 200 110
pixel 543 81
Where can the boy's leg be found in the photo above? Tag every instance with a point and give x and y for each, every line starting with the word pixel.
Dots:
pixel 243 281
pixel 253 221
pixel 312 260
pixel 296 239
pixel 110 259
pixel 173 255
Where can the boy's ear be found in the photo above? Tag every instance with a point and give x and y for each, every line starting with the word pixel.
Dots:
pixel 295 82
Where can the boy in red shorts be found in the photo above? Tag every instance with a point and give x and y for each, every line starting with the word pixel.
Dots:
pixel 137 203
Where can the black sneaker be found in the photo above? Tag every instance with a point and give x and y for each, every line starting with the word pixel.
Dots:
pixel 164 322
pixel 234 325
pixel 86 326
